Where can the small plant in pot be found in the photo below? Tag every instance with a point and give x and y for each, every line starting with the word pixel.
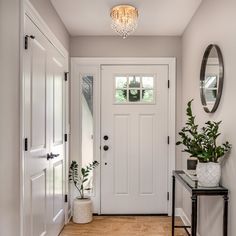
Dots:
pixel 202 144
pixel 82 205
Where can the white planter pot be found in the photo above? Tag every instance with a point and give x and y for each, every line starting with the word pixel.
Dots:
pixel 208 174
pixel 82 211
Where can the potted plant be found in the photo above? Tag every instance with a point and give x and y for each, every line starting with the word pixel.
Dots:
pixel 82 205
pixel 202 144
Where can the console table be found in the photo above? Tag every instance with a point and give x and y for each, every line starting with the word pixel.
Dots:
pixel 195 191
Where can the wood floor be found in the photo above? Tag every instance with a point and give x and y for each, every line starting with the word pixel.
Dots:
pixel 124 226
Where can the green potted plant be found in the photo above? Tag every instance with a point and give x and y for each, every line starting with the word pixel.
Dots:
pixel 202 144
pixel 82 205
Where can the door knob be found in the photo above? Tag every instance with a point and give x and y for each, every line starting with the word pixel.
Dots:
pixel 51 156
pixel 54 155
pixel 105 148
pixel 105 137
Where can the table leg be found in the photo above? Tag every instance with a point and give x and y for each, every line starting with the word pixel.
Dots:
pixel 173 205
pixel 194 215
pixel 225 219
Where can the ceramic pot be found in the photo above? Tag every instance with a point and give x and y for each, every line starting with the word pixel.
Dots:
pixel 208 174
pixel 82 213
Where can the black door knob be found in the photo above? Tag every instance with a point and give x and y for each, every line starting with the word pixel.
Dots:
pixel 54 155
pixel 105 148
pixel 51 156
pixel 105 137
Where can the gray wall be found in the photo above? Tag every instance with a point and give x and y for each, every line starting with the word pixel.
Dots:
pixel 136 46
pixel 214 22
pixel 9 118
pixel 50 16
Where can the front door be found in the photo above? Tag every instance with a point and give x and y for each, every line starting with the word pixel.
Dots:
pixel 134 131
pixel 43 130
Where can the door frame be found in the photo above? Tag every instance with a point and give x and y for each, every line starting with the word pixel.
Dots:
pixel 82 65
pixel 27 9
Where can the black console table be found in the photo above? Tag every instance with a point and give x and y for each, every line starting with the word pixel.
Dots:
pixel 195 191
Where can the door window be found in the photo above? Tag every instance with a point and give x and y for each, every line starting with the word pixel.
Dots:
pixel 133 89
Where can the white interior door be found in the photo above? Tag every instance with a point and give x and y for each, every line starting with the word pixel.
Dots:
pixel 43 129
pixel 56 128
pixel 134 117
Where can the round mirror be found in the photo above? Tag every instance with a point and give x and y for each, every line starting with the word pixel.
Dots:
pixel 211 78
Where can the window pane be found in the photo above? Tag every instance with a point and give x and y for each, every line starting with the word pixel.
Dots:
pixel 87 120
pixel 134 95
pixel 121 95
pixel 121 82
pixel 134 81
pixel 147 82
pixel 147 95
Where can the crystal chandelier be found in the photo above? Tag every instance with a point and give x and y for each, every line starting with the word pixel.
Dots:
pixel 124 19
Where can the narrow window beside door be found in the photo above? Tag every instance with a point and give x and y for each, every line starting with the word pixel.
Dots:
pixel 87 121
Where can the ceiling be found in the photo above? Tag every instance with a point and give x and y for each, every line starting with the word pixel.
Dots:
pixel 156 17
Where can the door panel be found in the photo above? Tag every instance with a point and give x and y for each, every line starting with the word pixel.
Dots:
pixel 58 107
pixel 39 199
pixel 121 153
pixel 57 189
pixel 146 151
pixel 38 95
pixel 134 114
pixel 43 127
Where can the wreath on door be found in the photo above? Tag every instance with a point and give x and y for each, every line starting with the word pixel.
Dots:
pixel 134 91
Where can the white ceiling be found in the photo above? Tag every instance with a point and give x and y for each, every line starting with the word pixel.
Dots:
pixel 156 17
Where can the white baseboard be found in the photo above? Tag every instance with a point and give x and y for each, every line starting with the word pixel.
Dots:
pixel 180 212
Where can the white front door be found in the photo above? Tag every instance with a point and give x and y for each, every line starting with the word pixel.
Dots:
pixel 43 130
pixel 134 131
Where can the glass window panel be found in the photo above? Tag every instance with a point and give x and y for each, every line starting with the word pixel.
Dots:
pixel 134 95
pixel 147 82
pixel 147 95
pixel 121 82
pixel 121 95
pixel 87 120
pixel 134 81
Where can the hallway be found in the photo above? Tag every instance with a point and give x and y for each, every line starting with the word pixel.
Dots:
pixel 124 226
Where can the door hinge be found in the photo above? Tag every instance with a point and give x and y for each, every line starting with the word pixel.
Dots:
pixel 66 137
pixel 168 139
pixel 168 196
pixel 66 76
pixel 27 40
pixel 26 144
pixel 168 83
pixel 66 198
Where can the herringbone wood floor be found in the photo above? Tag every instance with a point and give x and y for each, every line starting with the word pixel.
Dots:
pixel 124 226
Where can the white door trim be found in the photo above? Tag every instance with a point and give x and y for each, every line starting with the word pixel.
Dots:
pixel 79 62
pixel 26 8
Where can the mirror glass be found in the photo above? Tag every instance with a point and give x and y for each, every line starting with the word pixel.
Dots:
pixel 211 79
